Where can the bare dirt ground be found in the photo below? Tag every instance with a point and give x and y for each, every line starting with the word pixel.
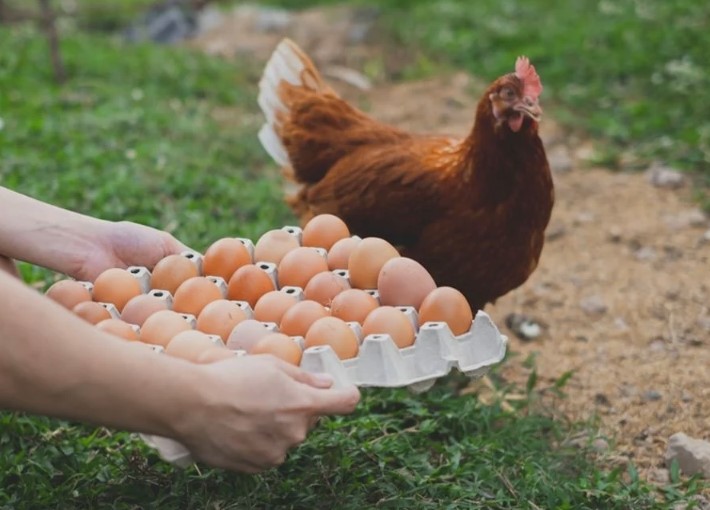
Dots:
pixel 623 287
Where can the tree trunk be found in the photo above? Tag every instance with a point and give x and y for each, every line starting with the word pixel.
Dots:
pixel 50 29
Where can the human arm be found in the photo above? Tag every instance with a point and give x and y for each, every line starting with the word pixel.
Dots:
pixel 242 414
pixel 74 244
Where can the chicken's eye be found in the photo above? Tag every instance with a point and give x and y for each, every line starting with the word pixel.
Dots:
pixel 507 93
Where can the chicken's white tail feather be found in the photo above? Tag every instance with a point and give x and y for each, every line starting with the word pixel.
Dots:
pixel 286 64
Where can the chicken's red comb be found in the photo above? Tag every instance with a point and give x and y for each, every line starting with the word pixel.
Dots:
pixel 531 81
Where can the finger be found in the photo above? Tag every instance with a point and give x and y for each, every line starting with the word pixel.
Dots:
pixel 335 401
pixel 314 379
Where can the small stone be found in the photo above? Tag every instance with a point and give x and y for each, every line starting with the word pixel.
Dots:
pixel 593 305
pixel 621 324
pixel 645 254
pixel 657 346
pixel 704 323
pixel 660 476
pixel 652 395
pixel 686 397
pixel 524 327
pixel 600 445
pixel 705 238
pixel 272 19
pixel 555 231
pixel 614 234
pixel 560 159
pixel 692 455
pixel 689 218
pixel 602 399
pixel 664 177
pixel 584 217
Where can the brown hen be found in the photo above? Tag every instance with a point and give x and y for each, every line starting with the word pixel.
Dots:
pixel 472 210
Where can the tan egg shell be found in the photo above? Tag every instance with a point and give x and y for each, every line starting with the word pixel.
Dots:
pixel 339 253
pixel 366 260
pixel 324 230
pixel 324 286
pixel 117 286
pixel 171 271
pixel 404 282
pixel 220 317
pixel 118 328
pixel 298 318
pixel 279 345
pixel 223 257
pixel 68 293
pixel 245 334
pixel 162 326
pixel 273 245
pixel 298 266
pixel 353 305
pixel 194 294
pixel 272 306
pixel 449 305
pixel 140 307
pixel 249 283
pixel 91 311
pixel 189 344
pixel 392 321
pixel 335 333
pixel 214 355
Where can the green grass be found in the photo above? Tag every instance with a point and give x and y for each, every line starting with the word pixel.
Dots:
pixel 168 138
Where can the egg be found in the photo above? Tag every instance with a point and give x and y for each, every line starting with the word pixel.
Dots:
pixel 91 311
pixel 281 346
pixel 271 306
pixel 162 326
pixel 323 231
pixel 142 306
pixel 249 283
pixel 299 317
pixel 219 318
pixel 68 293
pixel 194 294
pixel 214 354
pixel 117 286
pixel 324 286
pixel 298 266
pixel 353 305
pixel 366 260
pixel 224 257
pixel 339 253
pixel 449 305
pixel 171 271
pixel 189 344
pixel 245 334
pixel 404 282
pixel 392 321
pixel 335 333
pixel 118 328
pixel 273 245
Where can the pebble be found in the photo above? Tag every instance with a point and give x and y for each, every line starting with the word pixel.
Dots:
pixel 664 177
pixel 560 159
pixel 705 238
pixel 600 445
pixel 652 395
pixel 660 476
pixel 614 234
pixel 694 217
pixel 692 455
pixel 525 328
pixel 645 253
pixel 593 305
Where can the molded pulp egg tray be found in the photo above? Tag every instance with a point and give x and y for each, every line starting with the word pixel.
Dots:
pixel 379 363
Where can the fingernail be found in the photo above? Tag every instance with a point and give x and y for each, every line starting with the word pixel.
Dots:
pixel 323 379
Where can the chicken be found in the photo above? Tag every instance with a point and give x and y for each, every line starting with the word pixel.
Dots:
pixel 471 210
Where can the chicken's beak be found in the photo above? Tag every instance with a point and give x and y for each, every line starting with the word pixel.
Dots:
pixel 529 107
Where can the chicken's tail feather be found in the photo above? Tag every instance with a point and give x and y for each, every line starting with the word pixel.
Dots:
pixel 288 65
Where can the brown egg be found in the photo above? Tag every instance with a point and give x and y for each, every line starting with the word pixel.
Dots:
pixel 392 321
pixel 366 260
pixel 249 283
pixel 339 253
pixel 271 306
pixel 353 305
pixel 118 328
pixel 273 245
pixel 334 332
pixel 245 334
pixel 194 294
pixel 404 282
pixel 171 271
pixel 142 306
pixel 117 286
pixel 324 230
pixel 219 318
pixel 189 344
pixel 224 257
pixel 281 346
pixel 91 311
pixel 162 326
pixel 449 305
pixel 298 266
pixel 214 354
pixel 68 293
pixel 323 287
pixel 298 318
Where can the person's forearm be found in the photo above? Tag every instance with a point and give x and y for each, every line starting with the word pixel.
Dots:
pixel 55 364
pixel 43 234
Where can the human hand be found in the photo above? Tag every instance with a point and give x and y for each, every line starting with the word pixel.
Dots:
pixel 123 244
pixel 256 408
